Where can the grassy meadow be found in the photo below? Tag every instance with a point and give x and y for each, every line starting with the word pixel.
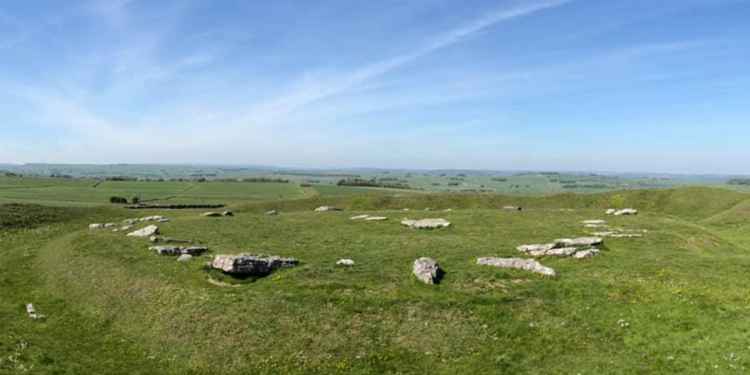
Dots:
pixel 674 301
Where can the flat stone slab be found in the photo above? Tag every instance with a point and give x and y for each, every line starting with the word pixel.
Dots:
pixel 579 242
pixel 376 218
pixel 622 212
pixel 251 265
pixel 427 270
pixel 327 209
pixel 517 263
pixel 145 232
pixel 586 253
pixel 564 247
pixel 426 223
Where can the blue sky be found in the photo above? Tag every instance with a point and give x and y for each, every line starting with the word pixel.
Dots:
pixel 631 85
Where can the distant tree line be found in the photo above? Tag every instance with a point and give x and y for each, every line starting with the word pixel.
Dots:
pixel 256 179
pixel 585 186
pixel 372 183
pixel 123 200
pixel 739 181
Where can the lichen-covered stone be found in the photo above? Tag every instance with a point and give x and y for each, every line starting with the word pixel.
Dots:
pixel 251 265
pixel 426 223
pixel 145 232
pixel 517 263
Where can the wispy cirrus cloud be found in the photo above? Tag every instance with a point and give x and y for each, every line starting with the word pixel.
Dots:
pixel 311 89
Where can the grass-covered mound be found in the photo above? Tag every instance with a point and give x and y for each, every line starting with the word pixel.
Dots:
pixel 16 216
pixel 674 301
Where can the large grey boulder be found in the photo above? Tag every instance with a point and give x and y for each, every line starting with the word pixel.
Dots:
pixel 427 270
pixel 426 223
pixel 517 263
pixel 145 232
pixel 251 265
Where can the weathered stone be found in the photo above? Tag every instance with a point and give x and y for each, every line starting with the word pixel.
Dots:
pixel 578 242
pixel 512 208
pixel 562 252
pixel 179 250
pixel 110 225
pixel 326 209
pixel 272 212
pixel 561 247
pixel 626 211
pixel 145 232
pixel 517 263
pixel 359 217
pixel 227 213
pixel 96 226
pixel 427 270
pixel 154 218
pixel 126 227
pixel 626 235
pixel 211 214
pixel 130 221
pixel 426 223
pixel 31 311
pixel 345 262
pixel 184 258
pixel 536 249
pixel 611 211
pixel 251 265
pixel 586 253
pixel 376 218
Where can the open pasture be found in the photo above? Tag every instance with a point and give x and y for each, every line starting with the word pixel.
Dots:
pixel 672 301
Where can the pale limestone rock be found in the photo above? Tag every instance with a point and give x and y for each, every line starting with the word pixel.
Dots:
pixel 517 263
pixel 145 232
pixel 427 270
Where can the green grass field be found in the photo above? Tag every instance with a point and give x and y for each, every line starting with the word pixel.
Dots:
pixel 674 301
